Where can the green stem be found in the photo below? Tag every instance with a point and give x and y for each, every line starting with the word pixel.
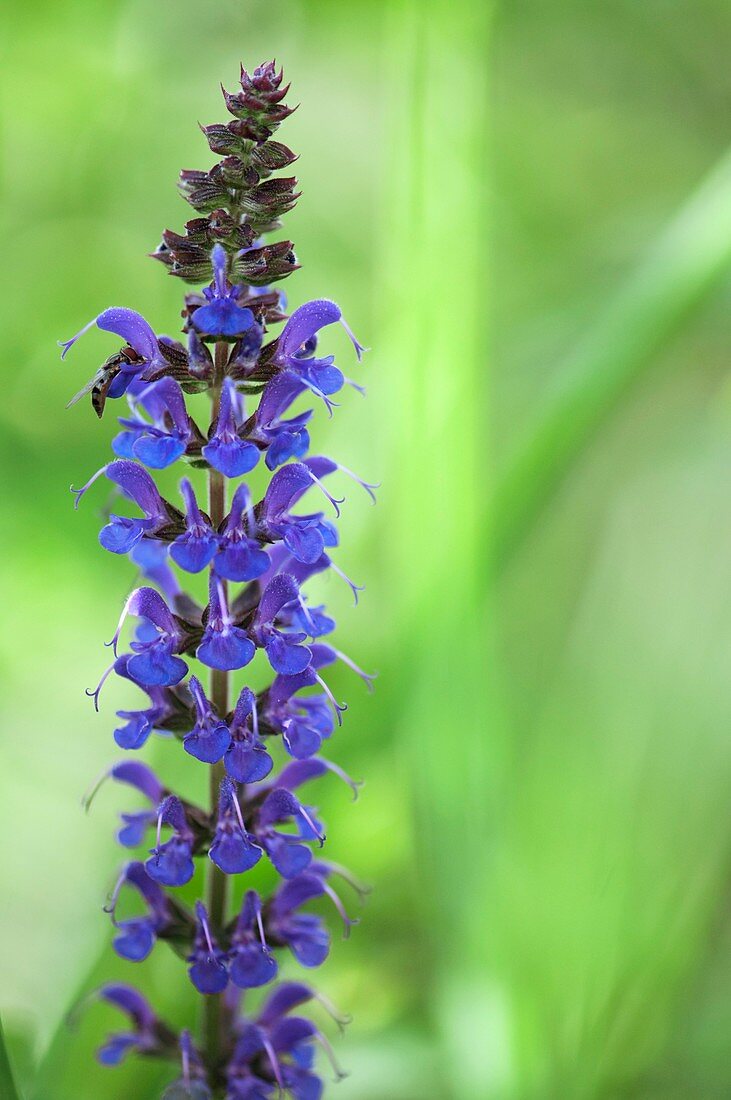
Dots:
pixel 217 886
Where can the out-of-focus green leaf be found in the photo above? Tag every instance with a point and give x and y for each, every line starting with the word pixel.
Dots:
pixel 677 275
pixel 8 1088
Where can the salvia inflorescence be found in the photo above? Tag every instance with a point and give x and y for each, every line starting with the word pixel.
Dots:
pixel 260 747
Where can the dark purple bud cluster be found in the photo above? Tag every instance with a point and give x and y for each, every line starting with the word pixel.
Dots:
pixel 239 199
pixel 261 747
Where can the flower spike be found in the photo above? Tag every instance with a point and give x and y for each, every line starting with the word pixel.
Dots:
pixel 260 747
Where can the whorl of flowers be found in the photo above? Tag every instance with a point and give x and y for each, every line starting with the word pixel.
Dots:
pixel 260 747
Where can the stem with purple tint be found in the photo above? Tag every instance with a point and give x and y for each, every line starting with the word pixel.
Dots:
pixel 217 888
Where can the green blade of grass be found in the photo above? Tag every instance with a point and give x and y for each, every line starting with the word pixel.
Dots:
pixel 683 266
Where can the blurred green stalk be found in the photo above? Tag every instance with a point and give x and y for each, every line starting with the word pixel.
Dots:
pixel 435 334
pixel 453 525
pixel 679 271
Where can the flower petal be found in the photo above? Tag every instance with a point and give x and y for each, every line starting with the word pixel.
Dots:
pixel 231 459
pixel 208 745
pixel 252 965
pixel 304 323
pixel 132 327
pixel 227 650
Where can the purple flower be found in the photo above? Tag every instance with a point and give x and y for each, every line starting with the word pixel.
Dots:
pixel 191 1085
pixel 240 557
pixel 284 561
pixel 238 743
pixel 143 779
pixel 139 724
pixel 152 558
pixel 134 329
pixel 171 863
pixel 207 970
pixel 270 547
pixel 223 645
pixel 298 772
pixel 233 849
pixel 194 549
pixel 210 737
pixel 245 757
pixel 286 851
pixel 122 533
pixel 251 963
pixel 304 536
pixel 303 722
pixel 304 933
pixel 222 316
pixel 297 342
pixel 136 936
pixel 160 443
pixel 285 652
pixel 225 450
pixel 274 1054
pixel 284 439
pixel 146 1035
pixel 153 663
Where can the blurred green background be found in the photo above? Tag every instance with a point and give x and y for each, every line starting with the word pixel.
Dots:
pixel 525 211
